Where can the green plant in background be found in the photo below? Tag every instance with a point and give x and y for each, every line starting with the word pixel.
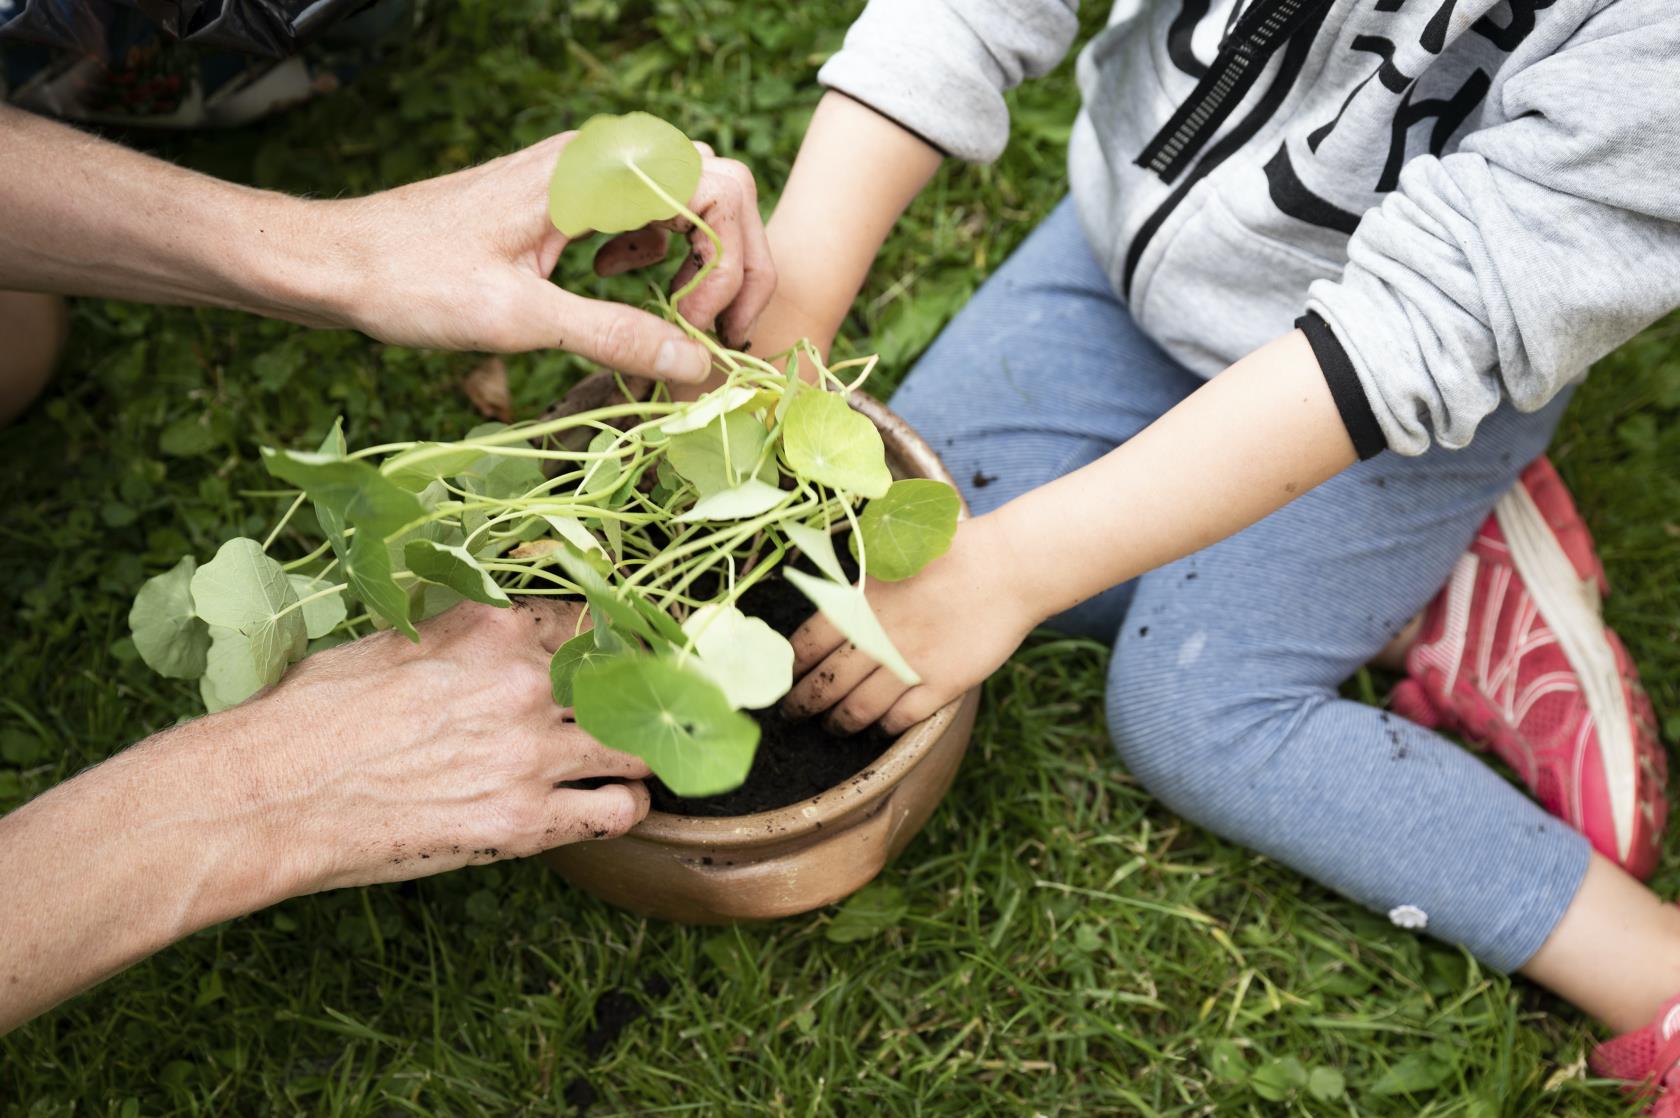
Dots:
pixel 661 522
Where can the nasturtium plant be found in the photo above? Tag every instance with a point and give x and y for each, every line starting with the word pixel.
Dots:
pixel 669 514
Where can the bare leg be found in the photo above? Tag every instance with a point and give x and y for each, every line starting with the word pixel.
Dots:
pixel 1615 953
pixel 34 327
pixel 1393 655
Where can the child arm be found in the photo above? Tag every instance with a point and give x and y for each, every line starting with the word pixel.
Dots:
pixel 1249 441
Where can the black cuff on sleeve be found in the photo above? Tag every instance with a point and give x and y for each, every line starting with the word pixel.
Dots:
pixel 1345 389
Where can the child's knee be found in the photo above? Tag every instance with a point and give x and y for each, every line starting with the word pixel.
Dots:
pixel 34 327
pixel 1190 728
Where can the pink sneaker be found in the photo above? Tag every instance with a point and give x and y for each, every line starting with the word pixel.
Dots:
pixel 1649 1060
pixel 1515 656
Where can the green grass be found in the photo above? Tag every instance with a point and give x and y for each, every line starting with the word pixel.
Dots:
pixel 1054 943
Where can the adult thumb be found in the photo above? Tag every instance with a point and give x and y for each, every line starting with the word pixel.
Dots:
pixel 630 340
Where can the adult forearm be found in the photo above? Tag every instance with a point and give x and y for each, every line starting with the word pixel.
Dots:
pixel 95 218
pixel 162 840
pixel 1248 442
pixel 855 174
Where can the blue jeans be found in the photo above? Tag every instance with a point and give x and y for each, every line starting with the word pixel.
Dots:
pixel 1222 695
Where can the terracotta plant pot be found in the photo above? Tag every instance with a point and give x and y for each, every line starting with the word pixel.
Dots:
pixel 805 855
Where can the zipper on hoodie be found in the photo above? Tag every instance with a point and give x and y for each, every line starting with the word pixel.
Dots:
pixel 1258 35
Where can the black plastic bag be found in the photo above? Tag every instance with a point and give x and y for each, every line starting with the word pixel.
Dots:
pixel 270 28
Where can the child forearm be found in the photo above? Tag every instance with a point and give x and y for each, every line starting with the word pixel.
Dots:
pixel 855 174
pixel 1251 440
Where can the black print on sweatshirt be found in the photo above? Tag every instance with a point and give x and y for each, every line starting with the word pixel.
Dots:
pixel 1442 115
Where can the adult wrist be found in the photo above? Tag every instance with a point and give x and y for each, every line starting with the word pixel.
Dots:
pixel 297 260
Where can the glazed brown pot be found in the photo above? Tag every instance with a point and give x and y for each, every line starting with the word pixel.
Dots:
pixel 805 855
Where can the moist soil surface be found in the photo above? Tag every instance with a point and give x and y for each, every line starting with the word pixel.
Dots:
pixel 795 760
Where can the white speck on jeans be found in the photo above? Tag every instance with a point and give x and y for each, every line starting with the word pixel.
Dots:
pixel 1409 916
pixel 1191 650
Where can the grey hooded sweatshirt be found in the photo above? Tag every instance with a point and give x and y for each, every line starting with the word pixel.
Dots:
pixel 1459 201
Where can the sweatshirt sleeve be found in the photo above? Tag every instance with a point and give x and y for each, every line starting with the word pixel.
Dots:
pixel 940 67
pixel 1505 269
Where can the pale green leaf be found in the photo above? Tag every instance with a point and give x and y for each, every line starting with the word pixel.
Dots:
pixel 826 441
pixel 848 611
pixel 723 453
pixel 355 492
pixel 169 636
pixel 747 658
pixel 671 716
pixel 234 670
pixel 594 188
pixel 817 546
pixel 908 528
pixel 244 590
pixel 455 568
pixel 751 498
pixel 705 410
pixel 322 615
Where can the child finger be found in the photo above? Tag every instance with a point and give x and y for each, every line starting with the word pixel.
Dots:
pixel 828 683
pixel 866 704
pixel 630 251
pixel 915 705
pixel 812 642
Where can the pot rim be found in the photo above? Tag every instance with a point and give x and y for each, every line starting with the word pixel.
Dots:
pixel 834 803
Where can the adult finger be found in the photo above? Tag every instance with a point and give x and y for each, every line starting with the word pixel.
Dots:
pixel 916 704
pixel 812 642
pixel 629 251
pixel 828 682
pixel 866 704
pixel 577 756
pixel 581 814
pixel 629 340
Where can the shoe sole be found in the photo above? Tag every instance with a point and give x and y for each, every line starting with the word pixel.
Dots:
pixel 1569 606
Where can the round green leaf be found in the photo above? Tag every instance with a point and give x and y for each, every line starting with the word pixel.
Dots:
pixel 234 670
pixel 723 453
pixel 455 568
pixel 595 188
pixel 563 666
pixel 245 591
pixel 670 716
pixel 323 615
pixel 747 658
pixel 169 636
pixel 826 441
pixel 908 528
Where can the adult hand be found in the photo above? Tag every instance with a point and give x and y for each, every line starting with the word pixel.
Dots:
pixel 430 756
pixel 462 262
pixel 375 761
pixel 956 622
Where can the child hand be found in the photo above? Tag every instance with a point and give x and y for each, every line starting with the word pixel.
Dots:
pixel 956 622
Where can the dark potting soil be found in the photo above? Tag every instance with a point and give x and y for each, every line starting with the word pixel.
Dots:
pixel 795 760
